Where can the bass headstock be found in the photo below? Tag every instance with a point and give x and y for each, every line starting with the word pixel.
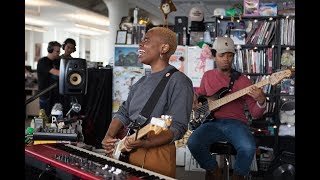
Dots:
pixel 278 76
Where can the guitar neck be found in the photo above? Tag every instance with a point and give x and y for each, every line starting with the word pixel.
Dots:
pixel 142 132
pixel 224 100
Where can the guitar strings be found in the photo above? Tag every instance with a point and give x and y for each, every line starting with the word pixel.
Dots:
pixel 203 108
pixel 196 115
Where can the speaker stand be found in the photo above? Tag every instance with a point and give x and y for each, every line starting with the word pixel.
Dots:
pixel 40 93
pixel 75 106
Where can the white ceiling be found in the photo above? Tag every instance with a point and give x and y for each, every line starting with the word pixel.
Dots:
pixel 51 13
pixel 56 13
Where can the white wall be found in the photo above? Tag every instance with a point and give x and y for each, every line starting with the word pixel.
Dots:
pixel 100 47
pixel 96 45
pixel 31 38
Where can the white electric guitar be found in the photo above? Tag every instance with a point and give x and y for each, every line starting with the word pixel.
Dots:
pixel 157 125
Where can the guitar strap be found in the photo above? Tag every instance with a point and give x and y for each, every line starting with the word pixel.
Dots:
pixel 152 101
pixel 234 76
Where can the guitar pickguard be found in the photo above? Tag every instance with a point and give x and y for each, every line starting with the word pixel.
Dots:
pixel 203 115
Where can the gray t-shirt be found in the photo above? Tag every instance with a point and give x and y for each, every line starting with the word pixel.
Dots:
pixel 175 100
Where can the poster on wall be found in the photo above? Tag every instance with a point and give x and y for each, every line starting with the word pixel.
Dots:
pixel 178 59
pixel 37 52
pixel 138 33
pixel 197 64
pixel 123 79
pixel 127 55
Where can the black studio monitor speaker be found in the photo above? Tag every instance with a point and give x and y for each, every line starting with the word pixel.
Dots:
pixel 73 76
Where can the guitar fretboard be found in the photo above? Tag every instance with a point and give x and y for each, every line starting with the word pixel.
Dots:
pixel 224 100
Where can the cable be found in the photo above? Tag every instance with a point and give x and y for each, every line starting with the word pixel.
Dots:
pixel 48 168
pixel 41 174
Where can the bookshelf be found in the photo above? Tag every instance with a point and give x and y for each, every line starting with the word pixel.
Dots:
pixel 264 45
pixel 286 100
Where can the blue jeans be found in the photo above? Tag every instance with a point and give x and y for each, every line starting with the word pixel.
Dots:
pixel 235 132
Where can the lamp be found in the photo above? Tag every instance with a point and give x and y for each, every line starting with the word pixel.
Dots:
pixel 34 28
pixel 91 28
pixel 144 21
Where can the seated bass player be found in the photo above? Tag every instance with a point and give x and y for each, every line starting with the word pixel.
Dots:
pixel 230 122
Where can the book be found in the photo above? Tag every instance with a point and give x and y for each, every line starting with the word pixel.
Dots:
pixel 257 33
pixel 285 85
pixel 271 33
pixel 238 36
pixel 268 9
pixel 263 31
pixel 252 32
pixel 270 30
pixel 250 7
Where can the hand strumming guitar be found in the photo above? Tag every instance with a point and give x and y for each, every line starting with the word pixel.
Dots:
pixel 196 104
pixel 161 138
pixel 130 143
pixel 109 140
pixel 108 143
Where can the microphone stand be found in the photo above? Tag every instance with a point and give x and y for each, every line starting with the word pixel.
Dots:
pixel 40 93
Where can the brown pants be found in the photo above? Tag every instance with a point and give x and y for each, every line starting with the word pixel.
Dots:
pixel 161 159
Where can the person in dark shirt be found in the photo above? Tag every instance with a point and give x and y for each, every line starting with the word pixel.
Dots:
pixel 48 74
pixel 69 47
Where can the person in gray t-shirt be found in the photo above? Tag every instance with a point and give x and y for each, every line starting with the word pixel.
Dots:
pixel 155 152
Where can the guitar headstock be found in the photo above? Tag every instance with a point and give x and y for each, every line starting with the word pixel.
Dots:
pixel 278 76
pixel 167 119
pixel 158 124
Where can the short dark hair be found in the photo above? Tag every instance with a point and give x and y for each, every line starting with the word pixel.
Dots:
pixel 51 44
pixel 214 52
pixel 70 41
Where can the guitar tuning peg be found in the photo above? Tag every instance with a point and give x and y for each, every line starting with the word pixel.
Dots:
pixel 168 122
pixel 167 119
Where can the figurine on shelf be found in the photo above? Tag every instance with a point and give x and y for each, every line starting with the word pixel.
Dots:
pixel 167 7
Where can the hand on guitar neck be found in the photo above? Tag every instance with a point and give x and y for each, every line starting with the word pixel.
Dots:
pixel 257 94
pixel 156 124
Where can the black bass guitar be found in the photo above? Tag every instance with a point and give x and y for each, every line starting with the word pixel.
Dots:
pixel 212 103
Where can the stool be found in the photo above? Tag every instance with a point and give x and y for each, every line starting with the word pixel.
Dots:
pixel 224 149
